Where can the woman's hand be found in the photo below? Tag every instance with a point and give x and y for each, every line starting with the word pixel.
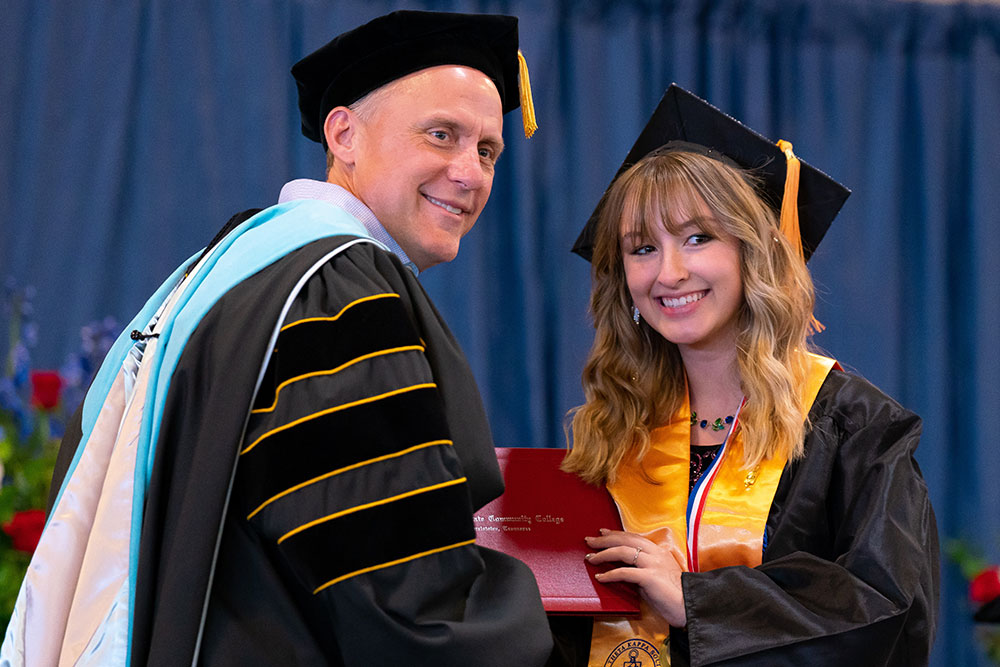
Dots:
pixel 652 567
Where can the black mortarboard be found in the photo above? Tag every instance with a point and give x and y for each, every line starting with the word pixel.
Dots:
pixel 684 117
pixel 389 47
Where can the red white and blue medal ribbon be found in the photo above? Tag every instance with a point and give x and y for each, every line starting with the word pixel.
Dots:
pixel 699 494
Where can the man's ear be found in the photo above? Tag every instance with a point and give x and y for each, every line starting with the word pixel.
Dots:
pixel 341 131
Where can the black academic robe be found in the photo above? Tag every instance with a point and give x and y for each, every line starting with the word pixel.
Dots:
pixel 375 456
pixel 849 574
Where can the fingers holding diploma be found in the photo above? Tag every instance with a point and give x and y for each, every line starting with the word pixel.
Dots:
pixel 651 567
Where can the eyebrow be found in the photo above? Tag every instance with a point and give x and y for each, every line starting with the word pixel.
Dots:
pixel 698 221
pixel 436 121
pixel 706 223
pixel 633 237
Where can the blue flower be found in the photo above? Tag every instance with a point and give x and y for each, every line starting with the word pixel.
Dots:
pixel 21 364
pixel 14 403
pixel 29 333
pixel 10 398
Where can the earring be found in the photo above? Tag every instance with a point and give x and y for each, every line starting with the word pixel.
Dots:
pixel 635 314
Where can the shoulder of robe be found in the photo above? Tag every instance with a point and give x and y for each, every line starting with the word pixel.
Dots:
pixel 848 404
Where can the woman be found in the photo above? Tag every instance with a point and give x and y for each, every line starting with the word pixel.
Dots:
pixel 773 512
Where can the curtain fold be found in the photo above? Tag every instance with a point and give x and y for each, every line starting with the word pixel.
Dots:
pixel 131 131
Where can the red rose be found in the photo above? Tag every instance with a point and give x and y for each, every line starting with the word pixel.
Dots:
pixel 45 386
pixel 25 528
pixel 986 585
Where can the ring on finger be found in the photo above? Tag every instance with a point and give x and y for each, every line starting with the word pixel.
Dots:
pixel 635 558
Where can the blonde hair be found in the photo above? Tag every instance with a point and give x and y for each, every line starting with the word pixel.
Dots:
pixel 634 378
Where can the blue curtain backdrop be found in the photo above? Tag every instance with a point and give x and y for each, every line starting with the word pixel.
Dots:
pixel 130 131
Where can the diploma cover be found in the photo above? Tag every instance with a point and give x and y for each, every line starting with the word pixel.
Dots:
pixel 541 519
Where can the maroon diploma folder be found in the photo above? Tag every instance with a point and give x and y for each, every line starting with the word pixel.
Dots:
pixel 541 519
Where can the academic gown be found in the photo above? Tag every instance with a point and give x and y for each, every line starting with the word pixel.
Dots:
pixel 850 570
pixel 348 537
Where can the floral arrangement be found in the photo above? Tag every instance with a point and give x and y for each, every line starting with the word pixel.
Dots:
pixel 34 407
pixel 984 594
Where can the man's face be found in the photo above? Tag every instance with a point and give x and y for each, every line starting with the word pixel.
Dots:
pixel 425 158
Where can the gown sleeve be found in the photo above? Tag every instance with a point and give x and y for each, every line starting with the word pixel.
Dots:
pixel 350 482
pixel 850 571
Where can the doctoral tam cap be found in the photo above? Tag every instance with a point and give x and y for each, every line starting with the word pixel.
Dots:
pixel 389 47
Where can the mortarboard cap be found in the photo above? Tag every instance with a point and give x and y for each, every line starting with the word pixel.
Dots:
pixel 392 46
pixel 687 119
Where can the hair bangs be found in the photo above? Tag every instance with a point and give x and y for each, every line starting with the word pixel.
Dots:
pixel 658 195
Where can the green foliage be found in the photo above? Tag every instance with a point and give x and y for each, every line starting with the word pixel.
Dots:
pixel 31 410
pixel 971 562
pixel 27 472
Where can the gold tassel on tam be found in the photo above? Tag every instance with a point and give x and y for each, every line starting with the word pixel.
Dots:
pixel 527 105
pixel 789 223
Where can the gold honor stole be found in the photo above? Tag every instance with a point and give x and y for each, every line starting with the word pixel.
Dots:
pixel 726 523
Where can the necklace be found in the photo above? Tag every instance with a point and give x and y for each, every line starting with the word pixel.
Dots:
pixel 717 425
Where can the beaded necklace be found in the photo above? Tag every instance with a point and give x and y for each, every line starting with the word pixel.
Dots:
pixel 717 425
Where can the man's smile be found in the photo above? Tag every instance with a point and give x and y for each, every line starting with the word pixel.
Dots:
pixel 445 205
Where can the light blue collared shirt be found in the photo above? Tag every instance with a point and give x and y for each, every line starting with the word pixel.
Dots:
pixel 307 188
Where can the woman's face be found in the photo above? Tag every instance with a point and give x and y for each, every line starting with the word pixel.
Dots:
pixel 686 285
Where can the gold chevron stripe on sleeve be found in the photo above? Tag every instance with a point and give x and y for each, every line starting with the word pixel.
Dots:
pixel 380 566
pixel 375 503
pixel 359 464
pixel 336 408
pixel 387 295
pixel 331 371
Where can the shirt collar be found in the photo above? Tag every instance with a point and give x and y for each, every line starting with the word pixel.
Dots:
pixel 307 188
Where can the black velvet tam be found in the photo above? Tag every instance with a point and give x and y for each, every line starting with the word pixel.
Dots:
pixel 683 121
pixel 389 47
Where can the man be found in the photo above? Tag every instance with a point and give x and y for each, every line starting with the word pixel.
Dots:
pixel 295 478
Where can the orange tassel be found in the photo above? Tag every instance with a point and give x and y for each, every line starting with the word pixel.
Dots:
pixel 789 222
pixel 524 89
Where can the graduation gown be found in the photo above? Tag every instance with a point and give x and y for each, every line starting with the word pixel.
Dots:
pixel 850 570
pixel 347 537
